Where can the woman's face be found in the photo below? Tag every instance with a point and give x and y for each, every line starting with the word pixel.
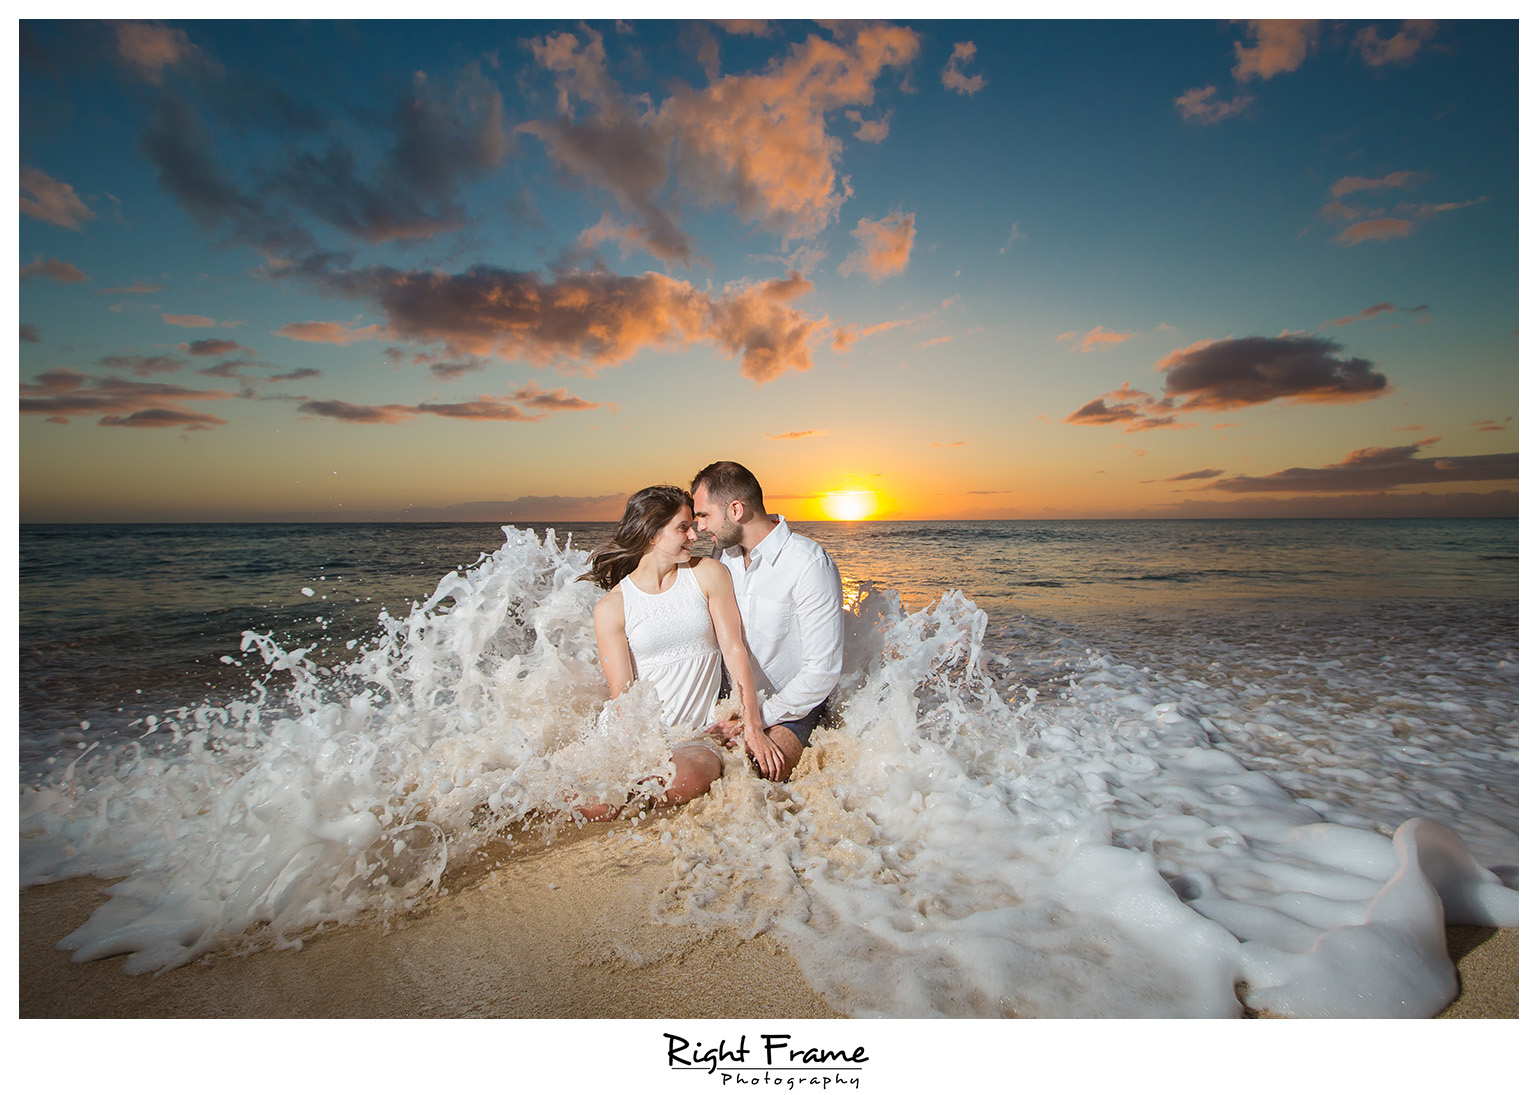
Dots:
pixel 677 537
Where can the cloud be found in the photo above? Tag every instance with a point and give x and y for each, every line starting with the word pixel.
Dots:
pixel 1237 372
pixel 949 445
pixel 871 130
pixel 1396 180
pixel 212 347
pixel 165 417
pixel 176 320
pixel 1489 425
pixel 232 370
pixel 1098 339
pixel 64 272
pixel 62 394
pixel 1199 105
pixel 795 435
pixel 1281 45
pixel 439 137
pixel 1205 473
pixel 1381 226
pixel 336 334
pixel 1378 469
pixel 136 288
pixel 844 338
pixel 1015 236
pixel 589 318
pixel 143 365
pixel 51 201
pixel 1097 413
pixel 950 75
pixel 151 48
pixel 353 412
pixel 31 332
pixel 1384 228
pixel 1426 210
pixel 453 370
pixel 939 340
pixel 550 402
pixel 528 404
pixel 1399 49
pixel 883 246
pixel 296 374
pixel 1366 313
pixel 1243 372
pixel 757 142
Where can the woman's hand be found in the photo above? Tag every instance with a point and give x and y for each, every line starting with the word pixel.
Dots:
pixel 767 755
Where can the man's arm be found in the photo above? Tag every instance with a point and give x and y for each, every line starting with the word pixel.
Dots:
pixel 818 595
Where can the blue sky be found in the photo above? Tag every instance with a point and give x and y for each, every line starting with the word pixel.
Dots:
pixel 517 270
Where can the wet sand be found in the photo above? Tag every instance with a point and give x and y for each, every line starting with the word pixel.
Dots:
pixel 527 931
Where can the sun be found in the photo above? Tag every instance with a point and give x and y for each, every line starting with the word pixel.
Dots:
pixel 849 505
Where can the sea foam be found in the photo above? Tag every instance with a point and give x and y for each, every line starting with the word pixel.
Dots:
pixel 1087 840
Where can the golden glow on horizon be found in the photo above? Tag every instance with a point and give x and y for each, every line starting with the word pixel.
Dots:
pixel 849 505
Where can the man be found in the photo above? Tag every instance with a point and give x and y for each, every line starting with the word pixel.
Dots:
pixel 791 600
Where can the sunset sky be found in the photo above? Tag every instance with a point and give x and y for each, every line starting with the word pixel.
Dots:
pixel 515 271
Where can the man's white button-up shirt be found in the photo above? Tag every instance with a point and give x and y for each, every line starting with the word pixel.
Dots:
pixel 792 605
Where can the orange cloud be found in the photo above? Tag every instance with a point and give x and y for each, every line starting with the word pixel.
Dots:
pixel 64 272
pixel 187 321
pixel 950 75
pixel 796 435
pixel 871 130
pixel 1199 105
pixel 1384 228
pixel 51 201
pixel 1352 183
pixel 1399 49
pixel 136 288
pixel 844 338
pixel 1281 45
pixel 336 334
pixel 1100 339
pixel 761 142
pixel 594 319
pixel 151 48
pixel 758 141
pixel 883 246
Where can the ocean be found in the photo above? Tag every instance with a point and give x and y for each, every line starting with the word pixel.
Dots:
pixel 1078 767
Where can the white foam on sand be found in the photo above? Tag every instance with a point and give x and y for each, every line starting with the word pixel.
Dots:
pixel 957 845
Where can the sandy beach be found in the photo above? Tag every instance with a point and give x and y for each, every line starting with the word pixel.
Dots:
pixel 527 931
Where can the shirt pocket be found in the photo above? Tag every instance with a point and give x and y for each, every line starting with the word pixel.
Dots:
pixel 774 621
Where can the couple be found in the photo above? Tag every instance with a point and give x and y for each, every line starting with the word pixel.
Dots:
pixel 769 604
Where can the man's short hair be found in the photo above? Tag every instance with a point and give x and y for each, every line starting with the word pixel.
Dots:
pixel 726 481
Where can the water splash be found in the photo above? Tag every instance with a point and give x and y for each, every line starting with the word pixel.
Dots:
pixel 949 847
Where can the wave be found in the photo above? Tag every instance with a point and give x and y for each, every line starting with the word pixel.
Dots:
pixel 953 845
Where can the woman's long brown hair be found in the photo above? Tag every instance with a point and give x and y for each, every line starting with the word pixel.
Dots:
pixel 646 513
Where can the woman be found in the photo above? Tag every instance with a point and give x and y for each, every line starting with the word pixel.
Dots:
pixel 672 619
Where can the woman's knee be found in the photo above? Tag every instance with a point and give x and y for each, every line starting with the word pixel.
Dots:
pixel 697 768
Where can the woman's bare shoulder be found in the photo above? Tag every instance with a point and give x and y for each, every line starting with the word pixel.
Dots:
pixel 610 607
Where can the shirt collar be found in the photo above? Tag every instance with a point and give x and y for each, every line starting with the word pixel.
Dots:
pixel 771 546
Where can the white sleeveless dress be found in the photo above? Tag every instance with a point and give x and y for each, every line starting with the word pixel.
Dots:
pixel 674 646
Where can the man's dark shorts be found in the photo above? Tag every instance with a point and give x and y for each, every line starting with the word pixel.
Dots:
pixel 802 727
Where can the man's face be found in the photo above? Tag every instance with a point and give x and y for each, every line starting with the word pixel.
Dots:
pixel 714 519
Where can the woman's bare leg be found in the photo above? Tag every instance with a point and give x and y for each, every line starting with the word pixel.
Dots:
pixel 698 767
